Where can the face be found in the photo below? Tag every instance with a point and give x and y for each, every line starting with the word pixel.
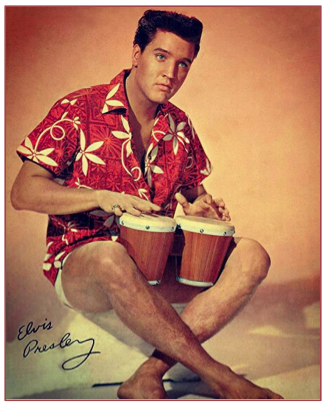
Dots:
pixel 163 66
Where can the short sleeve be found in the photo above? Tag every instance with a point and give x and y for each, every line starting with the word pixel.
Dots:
pixel 54 142
pixel 198 166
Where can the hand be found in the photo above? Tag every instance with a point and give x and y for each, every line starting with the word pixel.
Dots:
pixel 206 206
pixel 125 203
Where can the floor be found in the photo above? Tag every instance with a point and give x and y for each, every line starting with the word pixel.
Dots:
pixel 274 342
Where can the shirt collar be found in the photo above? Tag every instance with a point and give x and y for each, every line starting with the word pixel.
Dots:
pixel 116 98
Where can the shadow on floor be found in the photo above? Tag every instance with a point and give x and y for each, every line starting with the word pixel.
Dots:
pixel 275 338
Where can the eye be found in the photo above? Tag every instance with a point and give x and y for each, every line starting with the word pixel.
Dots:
pixel 183 65
pixel 160 57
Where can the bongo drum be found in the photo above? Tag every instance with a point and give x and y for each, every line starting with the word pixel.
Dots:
pixel 206 244
pixel 148 239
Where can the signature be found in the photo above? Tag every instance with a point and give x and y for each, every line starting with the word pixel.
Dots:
pixel 33 345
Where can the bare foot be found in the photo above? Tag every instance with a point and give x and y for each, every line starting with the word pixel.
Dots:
pixel 144 384
pixel 233 386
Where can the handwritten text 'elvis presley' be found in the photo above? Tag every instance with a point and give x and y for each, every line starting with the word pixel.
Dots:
pixel 33 345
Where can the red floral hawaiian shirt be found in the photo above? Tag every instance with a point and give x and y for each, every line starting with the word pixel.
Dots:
pixel 86 142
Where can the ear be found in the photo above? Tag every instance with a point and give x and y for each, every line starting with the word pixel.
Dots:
pixel 135 55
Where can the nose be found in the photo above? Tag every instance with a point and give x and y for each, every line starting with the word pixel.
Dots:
pixel 170 70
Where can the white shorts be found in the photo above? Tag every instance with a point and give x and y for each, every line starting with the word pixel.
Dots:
pixel 59 289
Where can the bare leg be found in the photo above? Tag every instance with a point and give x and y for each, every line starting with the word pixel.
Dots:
pixel 101 273
pixel 206 314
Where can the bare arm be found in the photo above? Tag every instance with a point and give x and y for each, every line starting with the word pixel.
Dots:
pixel 35 190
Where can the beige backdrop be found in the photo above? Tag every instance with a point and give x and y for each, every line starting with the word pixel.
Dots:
pixel 253 95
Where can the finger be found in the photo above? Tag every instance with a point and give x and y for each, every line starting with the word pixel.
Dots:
pixel 134 211
pixel 219 202
pixel 208 199
pixel 224 211
pixel 118 211
pixel 182 201
pixel 148 208
pixel 145 206
pixel 130 208
pixel 226 218
pixel 155 207
pixel 212 215
pixel 204 205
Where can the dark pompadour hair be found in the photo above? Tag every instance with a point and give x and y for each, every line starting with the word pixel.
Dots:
pixel 188 28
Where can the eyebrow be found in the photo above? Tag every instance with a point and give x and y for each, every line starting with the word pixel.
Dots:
pixel 169 53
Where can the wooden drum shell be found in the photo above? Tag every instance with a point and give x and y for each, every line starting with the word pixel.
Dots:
pixel 202 258
pixel 206 242
pixel 148 243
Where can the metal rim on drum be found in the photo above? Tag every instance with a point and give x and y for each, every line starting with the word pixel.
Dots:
pixel 148 223
pixel 194 283
pixel 206 226
pixel 154 282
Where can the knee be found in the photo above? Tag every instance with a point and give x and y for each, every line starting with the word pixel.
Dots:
pixel 256 260
pixel 113 264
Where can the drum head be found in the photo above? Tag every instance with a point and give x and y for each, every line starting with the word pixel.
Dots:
pixel 148 222
pixel 206 226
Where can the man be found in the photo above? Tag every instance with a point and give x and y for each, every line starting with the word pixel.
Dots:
pixel 120 148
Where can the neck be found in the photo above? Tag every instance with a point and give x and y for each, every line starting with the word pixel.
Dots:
pixel 143 109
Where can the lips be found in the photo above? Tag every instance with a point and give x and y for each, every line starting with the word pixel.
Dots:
pixel 164 86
